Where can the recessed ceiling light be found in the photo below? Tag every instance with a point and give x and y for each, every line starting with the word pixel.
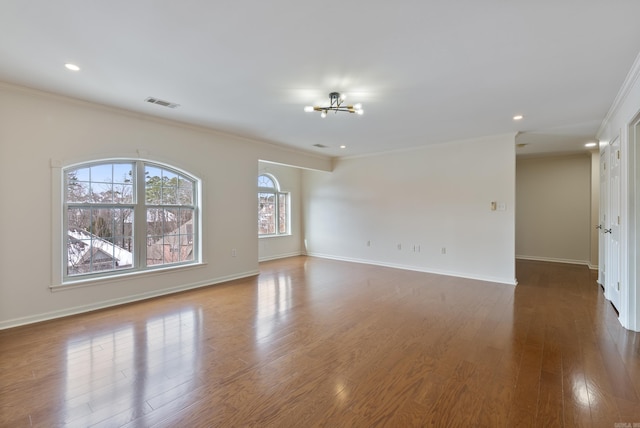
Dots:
pixel 343 146
pixel 518 117
pixel 72 67
pixel 591 144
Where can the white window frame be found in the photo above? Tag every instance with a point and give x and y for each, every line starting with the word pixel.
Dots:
pixel 275 190
pixel 60 277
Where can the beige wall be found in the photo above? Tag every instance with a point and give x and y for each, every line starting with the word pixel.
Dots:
pixel 553 208
pixel 595 208
pixel 427 209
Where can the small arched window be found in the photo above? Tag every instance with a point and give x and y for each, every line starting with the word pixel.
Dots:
pixel 273 207
pixel 128 215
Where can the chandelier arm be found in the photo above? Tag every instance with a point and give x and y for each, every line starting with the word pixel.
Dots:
pixel 345 109
pixel 336 105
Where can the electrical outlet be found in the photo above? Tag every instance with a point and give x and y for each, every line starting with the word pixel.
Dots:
pixel 233 252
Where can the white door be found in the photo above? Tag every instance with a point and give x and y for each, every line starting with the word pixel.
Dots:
pixel 602 219
pixel 612 230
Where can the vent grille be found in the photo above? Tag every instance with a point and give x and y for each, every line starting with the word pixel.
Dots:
pixel 320 146
pixel 162 103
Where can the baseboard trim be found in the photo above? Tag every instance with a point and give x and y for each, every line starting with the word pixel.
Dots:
pixel 555 260
pixel 47 316
pixel 280 256
pixel 416 269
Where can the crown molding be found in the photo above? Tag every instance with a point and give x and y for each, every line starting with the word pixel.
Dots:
pixel 629 83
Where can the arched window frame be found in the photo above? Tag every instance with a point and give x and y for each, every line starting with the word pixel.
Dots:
pixel 142 242
pixel 273 214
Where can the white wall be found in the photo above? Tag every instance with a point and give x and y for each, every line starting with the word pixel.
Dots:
pixel 275 247
pixel 39 130
pixel 428 199
pixel 553 208
pixel 621 116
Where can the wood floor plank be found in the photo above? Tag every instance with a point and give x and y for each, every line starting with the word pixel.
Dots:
pixel 315 342
pixel 550 409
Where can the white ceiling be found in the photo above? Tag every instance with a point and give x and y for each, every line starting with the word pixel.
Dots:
pixel 425 71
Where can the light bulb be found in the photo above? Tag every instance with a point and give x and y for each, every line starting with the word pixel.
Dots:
pixel 360 112
pixel 72 67
pixel 323 114
pixel 358 106
pixel 308 109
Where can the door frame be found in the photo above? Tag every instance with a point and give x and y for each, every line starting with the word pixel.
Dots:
pixel 631 267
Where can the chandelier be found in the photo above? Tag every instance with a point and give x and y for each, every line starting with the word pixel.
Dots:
pixel 336 104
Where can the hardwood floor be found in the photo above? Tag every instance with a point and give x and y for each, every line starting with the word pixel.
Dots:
pixel 314 342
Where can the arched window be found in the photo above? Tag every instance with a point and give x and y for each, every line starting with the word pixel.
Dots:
pixel 128 215
pixel 273 207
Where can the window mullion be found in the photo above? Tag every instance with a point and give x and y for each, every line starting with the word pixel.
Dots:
pixel 140 217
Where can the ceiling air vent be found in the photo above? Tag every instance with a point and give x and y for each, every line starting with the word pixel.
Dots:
pixel 320 146
pixel 162 103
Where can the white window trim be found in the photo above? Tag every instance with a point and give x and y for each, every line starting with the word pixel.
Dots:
pixel 59 278
pixel 276 190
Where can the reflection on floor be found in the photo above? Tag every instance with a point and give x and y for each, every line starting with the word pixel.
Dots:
pixel 318 342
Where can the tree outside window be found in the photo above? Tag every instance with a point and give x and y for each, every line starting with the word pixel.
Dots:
pixel 107 225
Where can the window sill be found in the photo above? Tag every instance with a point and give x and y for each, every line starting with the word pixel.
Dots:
pixel 282 235
pixel 121 277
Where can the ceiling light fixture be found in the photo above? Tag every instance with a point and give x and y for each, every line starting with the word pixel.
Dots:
pixel 591 144
pixel 518 117
pixel 336 104
pixel 72 67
